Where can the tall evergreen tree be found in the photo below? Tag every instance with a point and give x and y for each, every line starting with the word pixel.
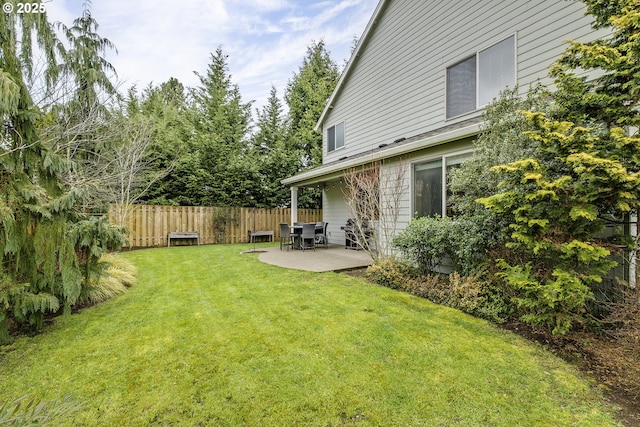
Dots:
pixel 306 95
pixel 216 171
pixel 584 175
pixel 84 64
pixel 39 244
pixel 270 124
pixel 277 157
pixel 165 108
pixel 219 104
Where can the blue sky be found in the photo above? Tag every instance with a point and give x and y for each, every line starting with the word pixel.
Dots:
pixel 265 40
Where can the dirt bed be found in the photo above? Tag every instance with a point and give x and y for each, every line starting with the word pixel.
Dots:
pixel 614 362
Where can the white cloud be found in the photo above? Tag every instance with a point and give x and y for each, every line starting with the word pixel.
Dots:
pixel 266 40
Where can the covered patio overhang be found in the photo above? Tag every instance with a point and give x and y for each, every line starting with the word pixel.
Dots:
pixel 314 178
pixel 333 172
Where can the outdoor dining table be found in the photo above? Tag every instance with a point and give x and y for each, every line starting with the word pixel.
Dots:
pixel 296 232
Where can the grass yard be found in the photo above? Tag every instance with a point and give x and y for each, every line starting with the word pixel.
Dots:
pixel 212 337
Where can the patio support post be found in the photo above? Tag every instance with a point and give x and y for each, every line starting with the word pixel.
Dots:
pixel 294 204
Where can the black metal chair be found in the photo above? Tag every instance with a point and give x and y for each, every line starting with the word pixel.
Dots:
pixel 286 239
pixel 321 234
pixel 295 234
pixel 308 237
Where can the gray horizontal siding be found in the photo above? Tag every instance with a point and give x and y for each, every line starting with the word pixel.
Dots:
pixel 396 88
pixel 336 212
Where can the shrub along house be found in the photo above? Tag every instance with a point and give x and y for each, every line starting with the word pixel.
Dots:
pixel 411 96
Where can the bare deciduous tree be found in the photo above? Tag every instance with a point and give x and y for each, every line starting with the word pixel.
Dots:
pixel 131 171
pixel 374 193
pixel 111 156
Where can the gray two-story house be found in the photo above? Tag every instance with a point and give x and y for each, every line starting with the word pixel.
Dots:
pixel 413 92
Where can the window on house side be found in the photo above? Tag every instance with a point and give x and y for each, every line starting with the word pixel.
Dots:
pixel 427 188
pixel 496 70
pixel 429 194
pixel 475 81
pixel 335 137
pixel 461 87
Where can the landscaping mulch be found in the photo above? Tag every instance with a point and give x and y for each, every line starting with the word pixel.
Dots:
pixel 613 361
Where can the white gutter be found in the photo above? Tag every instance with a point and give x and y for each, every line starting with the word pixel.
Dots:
pixel 387 152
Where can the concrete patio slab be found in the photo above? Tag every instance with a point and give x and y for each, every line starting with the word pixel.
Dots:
pixel 333 258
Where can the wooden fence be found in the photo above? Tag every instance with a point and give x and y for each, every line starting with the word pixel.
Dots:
pixel 149 225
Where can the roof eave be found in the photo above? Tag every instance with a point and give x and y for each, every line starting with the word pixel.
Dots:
pixel 320 173
pixel 365 36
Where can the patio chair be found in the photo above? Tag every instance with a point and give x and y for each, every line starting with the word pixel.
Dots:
pixel 321 234
pixel 295 234
pixel 286 238
pixel 308 237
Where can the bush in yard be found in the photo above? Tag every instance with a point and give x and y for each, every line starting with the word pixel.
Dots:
pixel 503 140
pixel 54 284
pixel 583 176
pixel 391 272
pixel 469 294
pixel 435 244
pixel 464 241
pixel 481 298
pixel 470 239
pixel 425 242
pixel 465 293
pixel 92 238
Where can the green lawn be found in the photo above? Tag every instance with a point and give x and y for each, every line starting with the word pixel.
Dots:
pixel 212 337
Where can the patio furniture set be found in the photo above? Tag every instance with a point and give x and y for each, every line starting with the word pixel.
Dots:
pixel 303 236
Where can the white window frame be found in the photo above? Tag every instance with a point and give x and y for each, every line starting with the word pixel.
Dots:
pixel 334 127
pixel 477 56
pixel 444 158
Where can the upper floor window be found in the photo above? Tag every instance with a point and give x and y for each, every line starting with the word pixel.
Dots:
pixel 474 82
pixel 335 137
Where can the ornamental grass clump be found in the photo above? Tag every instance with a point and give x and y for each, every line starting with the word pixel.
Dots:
pixel 27 411
pixel 118 274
